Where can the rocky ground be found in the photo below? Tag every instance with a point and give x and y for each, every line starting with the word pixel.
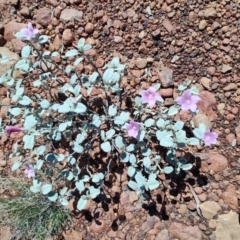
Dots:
pixel 176 40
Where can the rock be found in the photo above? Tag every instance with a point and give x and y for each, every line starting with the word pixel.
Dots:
pixel 226 68
pixel 43 17
pixel 72 235
pixel 163 235
pixel 228 226
pixel 210 13
pixel 183 232
pixel 166 92
pixel 218 162
pixel 18 44
pixel 166 77
pixel 13 57
pixel 4 109
pixel 11 28
pixel 67 37
pixel 207 103
pixel 69 14
pixel 3 163
pixel 202 25
pixel 185 115
pixel 168 25
pixel 230 87
pixel 230 198
pixel 141 63
pixel 53 3
pixel 211 70
pixel 237 131
pixel 229 138
pixel 202 118
pixel 192 17
pixel 209 209
pixel 56 43
pixel 89 28
pixel 156 33
pixel 25 11
pixel 206 82
pixel 215 26
pixel 117 39
pixel 98 227
pixel 5 233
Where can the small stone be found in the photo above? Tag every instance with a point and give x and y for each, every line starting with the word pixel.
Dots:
pixel 180 231
pixel 3 163
pixel 18 44
pixel 156 33
pixel 67 37
pixel 218 162
pixel 202 25
pixel 209 209
pixel 230 198
pixel 43 17
pixel 211 70
pixel 182 208
pixel 210 13
pixel 11 28
pixel 70 14
pixel 229 138
pixel 192 16
pixel 226 41
pixel 117 39
pixel 202 118
pixel 53 3
pixel 226 68
pixel 215 26
pixel 212 223
pixel 163 235
pixel 98 227
pixel 100 62
pixel 168 25
pixel 166 77
pixel 72 235
pixel 25 11
pixel 166 92
pixel 141 63
pixel 89 28
pixel 230 87
pixel 206 82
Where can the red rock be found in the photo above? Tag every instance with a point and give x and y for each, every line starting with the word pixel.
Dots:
pixel 166 92
pixel 89 28
pixel 211 70
pixel 43 17
pixel 185 115
pixel 67 37
pixel 72 235
pixel 166 77
pixel 218 162
pixel 11 28
pixel 180 231
pixel 230 198
pixel 229 138
pixel 98 227
pixel 208 101
pixel 17 44
pixel 168 25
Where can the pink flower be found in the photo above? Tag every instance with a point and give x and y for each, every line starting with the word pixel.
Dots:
pixel 188 101
pixel 12 129
pixel 29 32
pixel 133 129
pixel 29 170
pixel 209 137
pixel 150 96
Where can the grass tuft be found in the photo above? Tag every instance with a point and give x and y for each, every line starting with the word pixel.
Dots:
pixel 31 216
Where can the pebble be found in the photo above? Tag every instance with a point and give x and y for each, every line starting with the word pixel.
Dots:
pixel 69 14
pixel 89 28
pixel 118 39
pixel 3 163
pixel 141 63
pixel 168 25
pixel 192 17
pixel 181 231
pixel 229 138
pixel 229 197
pixel 211 70
pixel 166 77
pixel 218 162
pixel 202 25
pixel 230 87
pixel 226 68
pixel 167 92
pixel 182 208
pixel 206 82
pixel 209 209
pixel 43 17
pixel 11 28
pixel 67 37
pixel 210 13
pixel 202 118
